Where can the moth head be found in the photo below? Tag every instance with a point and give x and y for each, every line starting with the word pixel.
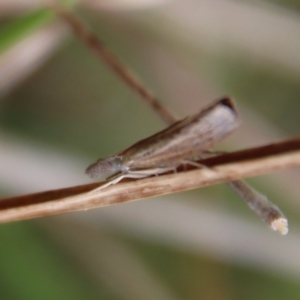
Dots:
pixel 105 166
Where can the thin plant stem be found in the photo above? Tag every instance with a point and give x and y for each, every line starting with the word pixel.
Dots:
pixel 126 75
pixel 223 168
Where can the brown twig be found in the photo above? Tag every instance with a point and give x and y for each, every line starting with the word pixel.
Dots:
pixel 224 168
pixel 112 61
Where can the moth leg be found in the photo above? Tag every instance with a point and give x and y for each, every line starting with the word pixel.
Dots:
pixel 109 182
pixel 133 174
pixel 115 179
pixel 186 162
pixel 196 164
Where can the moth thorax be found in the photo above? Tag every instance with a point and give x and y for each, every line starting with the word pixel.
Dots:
pixel 105 166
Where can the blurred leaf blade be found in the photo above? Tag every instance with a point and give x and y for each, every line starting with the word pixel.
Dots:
pixel 19 28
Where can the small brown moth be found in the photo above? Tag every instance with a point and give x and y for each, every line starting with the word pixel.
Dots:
pixel 176 145
pixel 180 144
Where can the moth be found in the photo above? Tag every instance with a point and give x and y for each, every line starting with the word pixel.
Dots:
pixel 178 144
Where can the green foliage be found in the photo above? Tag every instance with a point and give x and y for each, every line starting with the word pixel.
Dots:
pixel 24 26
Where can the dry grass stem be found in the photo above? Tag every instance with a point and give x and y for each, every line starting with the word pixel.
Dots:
pixel 223 168
pixel 97 46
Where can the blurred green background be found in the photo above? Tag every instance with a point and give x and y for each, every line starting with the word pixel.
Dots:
pixel 61 109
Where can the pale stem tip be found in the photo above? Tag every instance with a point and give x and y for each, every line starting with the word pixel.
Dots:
pixel 280 224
